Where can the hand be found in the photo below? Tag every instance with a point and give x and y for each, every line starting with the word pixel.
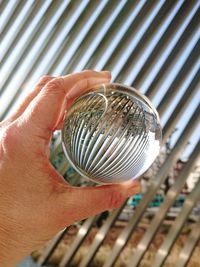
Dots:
pixel 35 201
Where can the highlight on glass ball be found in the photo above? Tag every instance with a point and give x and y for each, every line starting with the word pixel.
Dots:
pixel 111 134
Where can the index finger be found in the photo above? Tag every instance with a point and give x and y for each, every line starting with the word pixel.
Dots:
pixel 48 107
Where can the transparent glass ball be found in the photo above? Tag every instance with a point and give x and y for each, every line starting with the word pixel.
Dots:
pixel 111 134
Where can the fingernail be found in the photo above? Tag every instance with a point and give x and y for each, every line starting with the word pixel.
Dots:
pixel 106 73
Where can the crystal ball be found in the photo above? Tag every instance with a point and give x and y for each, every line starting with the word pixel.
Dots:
pixel 111 133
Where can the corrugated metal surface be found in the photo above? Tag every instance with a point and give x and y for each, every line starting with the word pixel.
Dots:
pixel 151 45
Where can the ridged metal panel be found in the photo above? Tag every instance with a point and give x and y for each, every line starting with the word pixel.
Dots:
pixel 189 246
pixel 153 46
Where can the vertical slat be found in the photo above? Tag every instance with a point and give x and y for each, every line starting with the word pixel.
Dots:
pixel 189 246
pixel 109 17
pixel 43 50
pixel 180 78
pixel 18 4
pixel 117 32
pixel 80 237
pixel 167 47
pixel 170 68
pixel 20 31
pixel 166 247
pixel 100 236
pixel 192 88
pixel 68 50
pixel 133 36
pixel 43 259
pixel 3 4
pixel 149 41
pixel 30 43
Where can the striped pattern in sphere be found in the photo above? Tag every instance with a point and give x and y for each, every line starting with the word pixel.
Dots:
pixel 111 134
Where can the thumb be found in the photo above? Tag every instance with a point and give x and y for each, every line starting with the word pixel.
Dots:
pixel 84 202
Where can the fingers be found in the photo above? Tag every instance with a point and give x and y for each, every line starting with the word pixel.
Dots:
pixel 25 103
pixel 89 201
pixel 47 108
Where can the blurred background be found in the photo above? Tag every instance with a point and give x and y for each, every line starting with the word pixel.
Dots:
pixel 154 46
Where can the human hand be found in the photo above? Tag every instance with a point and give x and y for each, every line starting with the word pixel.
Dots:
pixel 35 201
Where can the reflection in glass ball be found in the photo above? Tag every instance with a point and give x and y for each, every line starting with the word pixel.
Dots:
pixel 111 134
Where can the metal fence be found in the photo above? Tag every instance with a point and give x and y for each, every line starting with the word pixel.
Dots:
pixel 154 46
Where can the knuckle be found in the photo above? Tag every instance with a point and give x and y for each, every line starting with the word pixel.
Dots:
pixel 8 133
pixel 4 123
pixel 88 71
pixel 9 137
pixel 45 79
pixel 55 84
pixel 115 199
pixel 85 83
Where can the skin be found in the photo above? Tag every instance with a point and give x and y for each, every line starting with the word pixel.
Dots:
pixel 35 201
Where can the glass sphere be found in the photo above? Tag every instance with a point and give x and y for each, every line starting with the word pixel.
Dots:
pixel 111 133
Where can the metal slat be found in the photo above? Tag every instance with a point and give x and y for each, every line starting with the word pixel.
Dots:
pixel 51 247
pixel 99 61
pixel 111 38
pixel 80 237
pixel 134 36
pixel 3 5
pixel 100 237
pixel 30 43
pixel 166 247
pixel 144 49
pixel 161 213
pixel 177 52
pixel 25 35
pixel 73 17
pixel 42 52
pixel 179 80
pixel 20 31
pixel 78 31
pixel 110 15
pixel 156 60
pixel 64 165
pixel 166 44
pixel 177 112
pixel 159 179
pixel 189 246
pixel 18 5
